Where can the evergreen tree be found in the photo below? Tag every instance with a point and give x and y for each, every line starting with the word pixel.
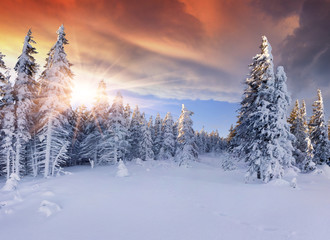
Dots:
pixel 158 135
pixel 118 129
pixel 127 115
pixel 202 142
pixel 3 77
pixel 100 137
pixel 81 116
pixel 175 133
pixel 7 113
pixel 55 94
pixel 88 149
pixel 151 127
pixel 303 146
pixel 216 143
pixel 266 131
pixel 146 143
pixel 319 132
pixel 24 94
pixel 168 148
pixel 293 116
pixel 282 101
pixel 261 66
pixel 135 134
pixel 7 152
pixel 232 133
pixel 187 148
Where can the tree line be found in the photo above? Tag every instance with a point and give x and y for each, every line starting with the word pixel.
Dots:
pixel 41 133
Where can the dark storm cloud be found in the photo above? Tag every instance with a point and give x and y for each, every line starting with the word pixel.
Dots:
pixel 306 53
pixel 278 8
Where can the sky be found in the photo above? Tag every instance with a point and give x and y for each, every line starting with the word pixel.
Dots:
pixel 164 53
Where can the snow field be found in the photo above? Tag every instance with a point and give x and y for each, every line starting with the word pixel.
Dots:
pixel 160 200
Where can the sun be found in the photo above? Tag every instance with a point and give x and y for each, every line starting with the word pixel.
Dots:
pixel 83 93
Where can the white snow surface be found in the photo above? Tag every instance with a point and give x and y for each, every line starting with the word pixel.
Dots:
pixel 163 201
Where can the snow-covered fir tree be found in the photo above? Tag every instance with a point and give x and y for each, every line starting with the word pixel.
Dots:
pixel 231 134
pixel 158 135
pixel 216 143
pixel 187 147
pixel 263 119
pixel 176 133
pixel 201 141
pixel 81 116
pixel 151 127
pixel 24 93
pixel 253 83
pixel 293 116
pixel 281 129
pixel 145 148
pixel 118 130
pixel 7 122
pixel 167 150
pixel 89 144
pixel 97 145
pixel 303 147
pixel 55 94
pixel 127 115
pixel 319 132
pixel 135 134
pixel 3 76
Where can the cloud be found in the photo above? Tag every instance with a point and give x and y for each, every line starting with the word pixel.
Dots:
pixel 306 53
pixel 279 8
pixel 172 48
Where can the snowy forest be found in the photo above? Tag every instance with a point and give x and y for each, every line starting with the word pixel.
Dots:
pixel 41 133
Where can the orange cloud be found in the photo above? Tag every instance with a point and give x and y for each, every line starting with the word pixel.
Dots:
pixel 146 44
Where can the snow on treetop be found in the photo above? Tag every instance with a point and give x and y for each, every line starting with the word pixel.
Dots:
pixel 266 48
pixel 280 71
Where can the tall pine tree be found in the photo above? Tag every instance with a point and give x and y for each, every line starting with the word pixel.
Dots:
pixel 54 132
pixel 99 139
pixel 303 146
pixel 267 140
pixel 187 147
pixel 7 113
pixel 118 129
pixel 135 134
pixel 319 132
pixel 146 152
pixel 167 150
pixel 24 94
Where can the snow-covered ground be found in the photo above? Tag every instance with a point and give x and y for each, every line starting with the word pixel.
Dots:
pixel 159 200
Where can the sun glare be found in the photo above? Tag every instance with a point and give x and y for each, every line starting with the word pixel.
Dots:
pixel 83 94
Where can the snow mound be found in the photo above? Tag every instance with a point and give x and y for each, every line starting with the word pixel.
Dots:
pixel 48 194
pixel 293 183
pixel 291 172
pixel 2 204
pixel 11 183
pixel 9 211
pixel 139 161
pixel 324 170
pixel 122 170
pixel 279 182
pixel 49 208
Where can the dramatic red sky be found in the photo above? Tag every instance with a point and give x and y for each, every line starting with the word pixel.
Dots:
pixel 181 49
